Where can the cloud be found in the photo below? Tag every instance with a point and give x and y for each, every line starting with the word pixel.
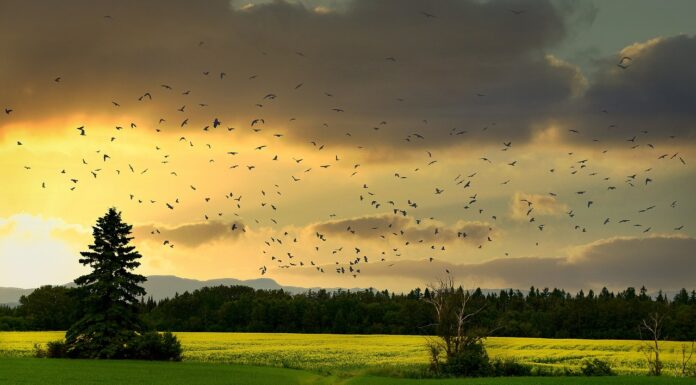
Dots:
pixel 365 227
pixel 655 93
pixel 658 262
pixel 440 66
pixel 525 206
pixel 35 250
pixel 189 234
pixel 407 229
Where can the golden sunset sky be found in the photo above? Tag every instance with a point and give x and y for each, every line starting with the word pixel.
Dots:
pixel 371 135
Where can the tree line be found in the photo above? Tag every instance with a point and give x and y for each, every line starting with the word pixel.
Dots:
pixel 536 313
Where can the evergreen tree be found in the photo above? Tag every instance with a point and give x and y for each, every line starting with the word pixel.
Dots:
pixel 110 303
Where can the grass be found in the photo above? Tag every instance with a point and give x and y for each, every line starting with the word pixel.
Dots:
pixel 352 355
pixel 31 371
pixel 624 380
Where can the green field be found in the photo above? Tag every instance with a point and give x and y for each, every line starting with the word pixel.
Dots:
pixel 32 371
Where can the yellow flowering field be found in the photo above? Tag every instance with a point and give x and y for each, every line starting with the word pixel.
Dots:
pixel 341 353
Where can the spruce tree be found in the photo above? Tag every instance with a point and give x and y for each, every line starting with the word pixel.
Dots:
pixel 110 293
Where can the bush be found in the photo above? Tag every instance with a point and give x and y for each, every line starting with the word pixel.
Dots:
pixel 39 352
pixel 471 361
pixel 510 368
pixel 54 349
pixel 147 346
pixel 435 350
pixel 597 367
pixel 155 346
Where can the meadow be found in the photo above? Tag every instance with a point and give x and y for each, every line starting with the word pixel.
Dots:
pixel 32 371
pixel 350 355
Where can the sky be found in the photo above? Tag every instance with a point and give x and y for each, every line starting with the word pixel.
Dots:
pixel 354 143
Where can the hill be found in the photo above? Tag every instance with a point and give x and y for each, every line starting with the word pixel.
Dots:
pixel 10 295
pixel 166 286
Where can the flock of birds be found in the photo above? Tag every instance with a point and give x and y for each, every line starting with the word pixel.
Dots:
pixel 278 250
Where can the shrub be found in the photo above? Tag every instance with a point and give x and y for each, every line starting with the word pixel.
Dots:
pixel 435 350
pixel 147 346
pixel 597 367
pixel 39 352
pixel 54 349
pixel 510 368
pixel 102 344
pixel 155 346
pixel 470 361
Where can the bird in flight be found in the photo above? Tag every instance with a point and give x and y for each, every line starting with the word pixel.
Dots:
pixel 624 63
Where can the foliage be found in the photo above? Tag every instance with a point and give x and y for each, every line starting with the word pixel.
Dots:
pixel 434 350
pixel 462 343
pixel 470 360
pixel 39 351
pixel 110 293
pixel 155 346
pixel 596 367
pixel 539 313
pixel 54 349
pixel 151 346
pixel 50 308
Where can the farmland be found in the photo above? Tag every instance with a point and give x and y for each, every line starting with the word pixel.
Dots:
pixel 349 355
pixel 31 371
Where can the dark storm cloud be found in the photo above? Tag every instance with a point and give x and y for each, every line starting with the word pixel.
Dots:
pixel 406 229
pixel 660 262
pixel 441 64
pixel 656 92
pixel 189 235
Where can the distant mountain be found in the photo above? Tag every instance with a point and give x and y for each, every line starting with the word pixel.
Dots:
pixel 163 286
pixel 166 286
pixel 10 295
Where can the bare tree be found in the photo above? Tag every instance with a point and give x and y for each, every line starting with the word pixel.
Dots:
pixel 652 326
pixel 454 313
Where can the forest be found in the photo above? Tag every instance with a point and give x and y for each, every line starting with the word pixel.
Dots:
pixel 537 313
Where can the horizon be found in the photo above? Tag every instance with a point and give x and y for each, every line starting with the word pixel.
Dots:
pixel 356 143
pixel 653 292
